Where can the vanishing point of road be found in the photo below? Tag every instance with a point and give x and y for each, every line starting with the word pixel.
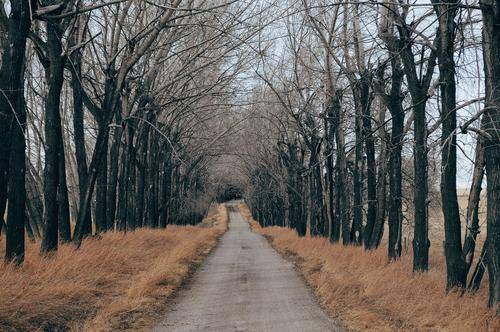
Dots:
pixel 245 285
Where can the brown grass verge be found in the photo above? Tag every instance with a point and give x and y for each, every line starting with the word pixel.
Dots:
pixel 365 292
pixel 121 281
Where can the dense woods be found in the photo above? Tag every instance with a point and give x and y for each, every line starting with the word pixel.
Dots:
pixel 350 120
pixel 380 111
pixel 111 113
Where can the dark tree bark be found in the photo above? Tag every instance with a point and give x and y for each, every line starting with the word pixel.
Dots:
pixel 357 185
pixel 394 101
pixel 418 87
pixel 6 121
pixel 293 165
pixel 5 129
pixel 492 156
pixel 34 203
pixel 63 201
pixel 131 220
pixel 13 123
pixel 78 127
pixel 16 217
pixel 334 222
pixel 124 176
pixel 365 99
pixel 101 184
pixel 53 136
pixel 141 176
pixel 337 193
pixel 395 214
pixel 122 205
pixel 321 213
pixel 176 193
pixel 113 173
pixel 6 113
pixel 421 229
pixel 342 188
pixel 316 190
pixel 84 208
pixel 151 177
pixel 363 137
pixel 491 55
pixel 301 188
pixel 477 275
pixel 378 227
pixel 166 187
pixel 455 263
pixel 131 172
pixel 472 214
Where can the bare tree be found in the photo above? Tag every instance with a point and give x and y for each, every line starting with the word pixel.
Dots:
pixel 491 52
pixel 14 29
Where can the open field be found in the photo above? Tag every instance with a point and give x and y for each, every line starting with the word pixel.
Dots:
pixel 436 225
pixel 365 292
pixel 121 281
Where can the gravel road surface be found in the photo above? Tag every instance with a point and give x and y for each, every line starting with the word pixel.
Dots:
pixel 245 285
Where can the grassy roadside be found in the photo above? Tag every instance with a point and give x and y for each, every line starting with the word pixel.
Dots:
pixel 365 292
pixel 121 281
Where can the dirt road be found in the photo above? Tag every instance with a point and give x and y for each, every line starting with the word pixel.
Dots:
pixel 245 285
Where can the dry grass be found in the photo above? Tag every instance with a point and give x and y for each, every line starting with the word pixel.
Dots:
pixel 117 282
pixel 365 292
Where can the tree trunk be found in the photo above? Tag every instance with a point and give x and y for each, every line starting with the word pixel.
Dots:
pixel 418 87
pixel 378 228
pixel 369 142
pixel 141 176
pixel 123 180
pixel 477 275
pixel 333 222
pixel 342 192
pixel 113 173
pixel 321 213
pixel 151 171
pixel 294 189
pixel 357 221
pixel 101 185
pixel 63 201
pixel 395 215
pixel 34 203
pixel 420 236
pixel 316 190
pixel 472 215
pixel 394 102
pixel 79 137
pixel 491 55
pixel 131 199
pixel 131 174
pixel 16 217
pixel 99 151
pixel 6 120
pixel 13 109
pixel 53 138
pixel 165 189
pixel 455 264
pixel 5 138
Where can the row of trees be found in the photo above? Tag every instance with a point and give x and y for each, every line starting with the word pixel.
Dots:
pixel 111 112
pixel 348 88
